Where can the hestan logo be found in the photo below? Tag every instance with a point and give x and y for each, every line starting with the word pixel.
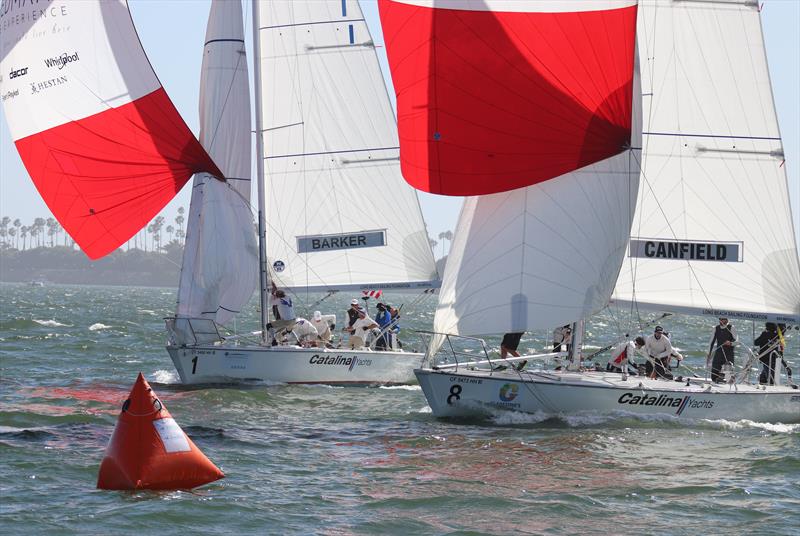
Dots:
pixel 16 73
pixel 663 400
pixel 37 87
pixel 62 60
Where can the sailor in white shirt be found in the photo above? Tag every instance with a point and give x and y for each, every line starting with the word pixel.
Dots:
pixel 659 349
pixel 324 324
pixel 622 355
pixel 359 329
pixel 305 332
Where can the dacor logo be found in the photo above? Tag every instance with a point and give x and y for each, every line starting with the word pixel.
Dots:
pixel 15 73
pixel 509 392
pixel 62 60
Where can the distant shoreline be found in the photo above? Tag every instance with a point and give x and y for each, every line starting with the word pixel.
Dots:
pixel 64 265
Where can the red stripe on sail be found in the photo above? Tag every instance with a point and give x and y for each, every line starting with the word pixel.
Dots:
pixel 105 176
pixel 494 101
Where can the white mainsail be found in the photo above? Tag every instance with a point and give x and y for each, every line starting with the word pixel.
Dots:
pixel 339 214
pixel 220 259
pixel 713 233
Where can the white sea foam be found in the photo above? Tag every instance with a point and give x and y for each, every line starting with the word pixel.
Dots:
pixel 166 376
pixel 402 387
pixel 505 418
pixel 426 409
pixel 745 424
pixel 50 323
pixel 98 326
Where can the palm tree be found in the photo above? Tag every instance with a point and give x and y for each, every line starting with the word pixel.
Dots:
pixel 17 224
pixel 12 232
pixel 445 235
pixel 38 229
pixel 432 242
pixel 170 230
pixel 24 234
pixel 4 227
pixel 179 220
pixel 158 224
pixel 51 229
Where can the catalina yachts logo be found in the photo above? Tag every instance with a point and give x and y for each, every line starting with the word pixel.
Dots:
pixel 509 392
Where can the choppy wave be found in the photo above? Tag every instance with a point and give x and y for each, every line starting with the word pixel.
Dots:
pixel 401 387
pixel 166 376
pixel 51 323
pixel 98 326
pixel 745 424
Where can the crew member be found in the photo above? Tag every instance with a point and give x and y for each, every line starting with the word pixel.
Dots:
pixel 561 335
pixel 283 311
pixel 359 329
pixel 384 320
pixel 724 336
pixel 305 332
pixel 770 350
pixel 659 349
pixel 622 355
pixel 352 313
pixel 325 325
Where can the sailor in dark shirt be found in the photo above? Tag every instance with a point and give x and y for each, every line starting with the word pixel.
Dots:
pixel 724 336
pixel 769 351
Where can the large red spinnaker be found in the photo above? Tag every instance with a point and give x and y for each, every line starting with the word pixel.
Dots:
pixel 104 177
pixel 489 101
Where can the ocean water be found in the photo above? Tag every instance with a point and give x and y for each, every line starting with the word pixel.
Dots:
pixel 325 460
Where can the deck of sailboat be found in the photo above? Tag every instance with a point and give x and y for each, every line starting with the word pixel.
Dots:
pixel 597 379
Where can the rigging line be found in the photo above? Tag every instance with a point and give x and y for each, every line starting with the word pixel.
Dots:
pixel 314 23
pixel 720 136
pixel 318 153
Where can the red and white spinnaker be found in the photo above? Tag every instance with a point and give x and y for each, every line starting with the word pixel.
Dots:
pixel 98 134
pixel 494 95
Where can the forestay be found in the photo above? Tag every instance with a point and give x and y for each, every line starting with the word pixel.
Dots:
pixel 339 214
pixel 220 258
pixel 98 135
pixel 713 233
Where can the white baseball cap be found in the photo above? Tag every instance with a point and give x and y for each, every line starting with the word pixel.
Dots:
pixel 354 302
pixel 317 316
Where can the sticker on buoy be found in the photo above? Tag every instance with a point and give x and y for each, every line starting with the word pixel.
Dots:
pixel 171 435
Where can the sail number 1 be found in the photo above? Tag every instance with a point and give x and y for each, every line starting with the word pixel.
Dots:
pixel 194 365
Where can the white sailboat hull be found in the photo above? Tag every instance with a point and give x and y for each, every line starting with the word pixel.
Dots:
pixel 468 393
pixel 285 364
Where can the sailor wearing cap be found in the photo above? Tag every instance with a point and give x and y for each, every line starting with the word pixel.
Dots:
pixel 352 313
pixel 659 349
pixel 384 320
pixel 360 329
pixel 724 336
pixel 324 324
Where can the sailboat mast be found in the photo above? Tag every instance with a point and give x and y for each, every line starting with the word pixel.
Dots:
pixel 262 227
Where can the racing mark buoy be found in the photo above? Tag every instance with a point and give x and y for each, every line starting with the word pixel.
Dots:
pixel 148 450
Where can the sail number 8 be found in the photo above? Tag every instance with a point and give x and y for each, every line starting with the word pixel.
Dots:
pixel 455 394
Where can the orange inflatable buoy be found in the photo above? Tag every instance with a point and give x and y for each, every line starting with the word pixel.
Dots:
pixel 148 450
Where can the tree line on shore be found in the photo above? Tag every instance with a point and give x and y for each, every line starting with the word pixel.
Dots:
pixel 47 232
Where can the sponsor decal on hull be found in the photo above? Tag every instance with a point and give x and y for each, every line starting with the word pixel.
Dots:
pixel 664 400
pixel 350 362
pixel 509 392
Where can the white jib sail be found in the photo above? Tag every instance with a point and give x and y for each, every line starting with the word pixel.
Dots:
pixel 545 255
pixel 339 214
pixel 220 260
pixel 713 231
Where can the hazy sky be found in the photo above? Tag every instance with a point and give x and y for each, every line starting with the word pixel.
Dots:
pixel 172 32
